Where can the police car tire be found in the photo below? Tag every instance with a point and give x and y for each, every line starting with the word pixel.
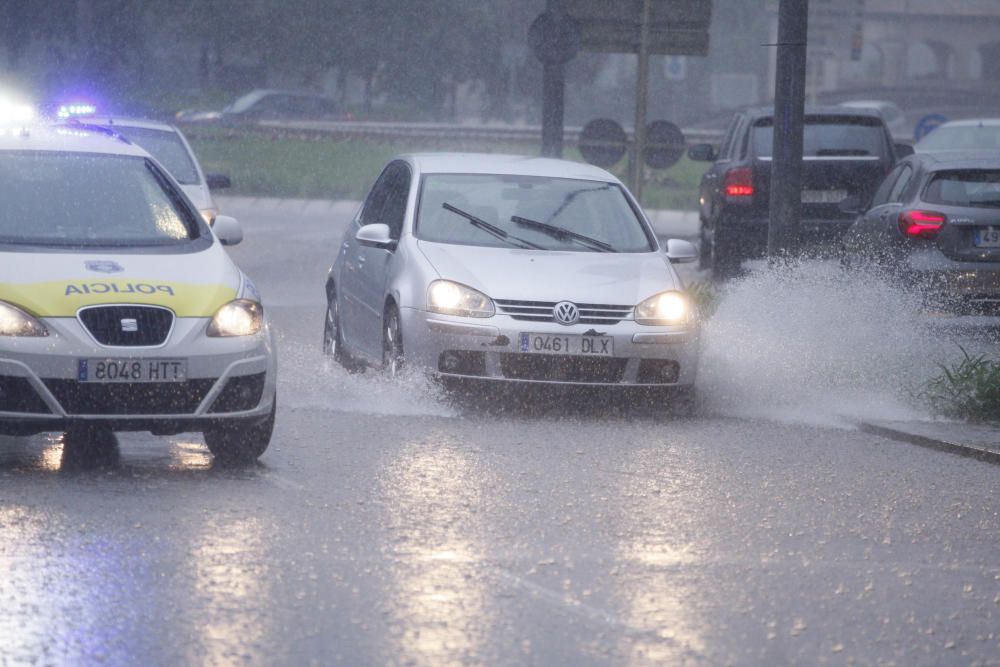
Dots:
pixel 240 442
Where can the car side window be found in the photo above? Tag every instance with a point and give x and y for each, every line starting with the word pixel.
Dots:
pixel 882 194
pixel 371 212
pixel 727 143
pixel 394 211
pixel 905 176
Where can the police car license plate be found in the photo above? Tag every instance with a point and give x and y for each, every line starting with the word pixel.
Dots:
pixel 596 346
pixel 988 238
pixel 132 370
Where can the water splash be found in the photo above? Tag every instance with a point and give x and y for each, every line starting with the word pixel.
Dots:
pixel 813 343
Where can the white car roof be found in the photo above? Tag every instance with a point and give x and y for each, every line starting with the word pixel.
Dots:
pixel 66 139
pixel 972 122
pixel 513 165
pixel 112 121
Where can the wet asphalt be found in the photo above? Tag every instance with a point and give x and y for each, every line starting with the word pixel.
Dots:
pixel 390 525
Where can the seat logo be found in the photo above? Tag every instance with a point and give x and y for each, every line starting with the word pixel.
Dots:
pixel 103 266
pixel 130 324
pixel 566 313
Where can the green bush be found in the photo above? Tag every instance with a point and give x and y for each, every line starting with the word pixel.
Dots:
pixel 968 389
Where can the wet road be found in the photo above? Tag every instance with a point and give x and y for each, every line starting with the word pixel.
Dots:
pixel 386 526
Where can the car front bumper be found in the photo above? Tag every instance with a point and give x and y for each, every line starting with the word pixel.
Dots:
pixel 227 379
pixel 489 349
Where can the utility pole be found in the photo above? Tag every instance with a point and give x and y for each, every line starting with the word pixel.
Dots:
pixel 635 171
pixel 553 94
pixel 789 112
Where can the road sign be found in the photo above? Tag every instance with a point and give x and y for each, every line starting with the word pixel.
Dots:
pixel 928 124
pixel 675 68
pixel 678 27
pixel 665 145
pixel 603 142
pixel 554 39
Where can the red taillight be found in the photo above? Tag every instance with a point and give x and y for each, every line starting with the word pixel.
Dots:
pixel 921 224
pixel 738 182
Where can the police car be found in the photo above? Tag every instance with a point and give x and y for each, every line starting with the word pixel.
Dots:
pixel 120 310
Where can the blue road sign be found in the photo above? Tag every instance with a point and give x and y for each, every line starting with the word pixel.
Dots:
pixel 928 124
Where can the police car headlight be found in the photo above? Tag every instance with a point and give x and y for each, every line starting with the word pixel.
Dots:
pixel 16 322
pixel 663 309
pixel 241 317
pixel 444 296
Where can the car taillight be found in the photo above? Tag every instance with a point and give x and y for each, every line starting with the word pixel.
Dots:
pixel 921 224
pixel 738 182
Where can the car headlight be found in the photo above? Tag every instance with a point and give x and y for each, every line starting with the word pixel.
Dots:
pixel 444 296
pixel 663 309
pixel 16 322
pixel 241 317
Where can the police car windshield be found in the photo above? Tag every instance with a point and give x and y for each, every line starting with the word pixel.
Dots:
pixel 165 146
pixel 81 199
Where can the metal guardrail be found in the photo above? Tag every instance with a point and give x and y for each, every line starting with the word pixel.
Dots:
pixel 390 132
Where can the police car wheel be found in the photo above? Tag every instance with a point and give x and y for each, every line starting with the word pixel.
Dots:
pixel 89 446
pixel 241 442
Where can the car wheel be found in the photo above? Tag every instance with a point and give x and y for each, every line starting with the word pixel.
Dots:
pixel 392 343
pixel 241 441
pixel 332 343
pixel 704 250
pixel 89 446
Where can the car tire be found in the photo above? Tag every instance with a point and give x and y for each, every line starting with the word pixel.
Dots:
pixel 241 441
pixel 88 447
pixel 332 342
pixel 704 249
pixel 392 343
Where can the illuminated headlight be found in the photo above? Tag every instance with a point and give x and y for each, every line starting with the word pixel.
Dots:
pixel 208 215
pixel 444 296
pixel 241 317
pixel 663 309
pixel 16 322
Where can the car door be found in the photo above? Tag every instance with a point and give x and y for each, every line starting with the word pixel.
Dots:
pixel 371 264
pixel 873 237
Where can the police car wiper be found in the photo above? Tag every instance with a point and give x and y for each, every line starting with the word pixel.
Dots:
pixel 562 233
pixel 493 230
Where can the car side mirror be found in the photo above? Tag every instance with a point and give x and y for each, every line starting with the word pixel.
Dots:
pixel 227 230
pixel 375 236
pixel 903 150
pixel 218 181
pixel 681 252
pixel 850 204
pixel 702 153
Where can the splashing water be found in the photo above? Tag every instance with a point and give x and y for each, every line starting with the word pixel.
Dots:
pixel 815 344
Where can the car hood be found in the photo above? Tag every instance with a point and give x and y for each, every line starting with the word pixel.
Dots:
pixel 542 275
pixel 58 284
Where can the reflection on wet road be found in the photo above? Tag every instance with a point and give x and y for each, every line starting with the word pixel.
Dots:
pixel 387 526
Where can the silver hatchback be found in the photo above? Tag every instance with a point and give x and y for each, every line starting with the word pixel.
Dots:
pixel 513 269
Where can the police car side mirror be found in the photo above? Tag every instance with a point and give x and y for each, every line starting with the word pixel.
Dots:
pixel 227 230
pixel 681 252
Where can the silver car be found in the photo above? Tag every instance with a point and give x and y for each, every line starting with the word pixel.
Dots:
pixel 516 269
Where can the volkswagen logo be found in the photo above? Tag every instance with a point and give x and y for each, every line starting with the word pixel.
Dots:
pixel 566 313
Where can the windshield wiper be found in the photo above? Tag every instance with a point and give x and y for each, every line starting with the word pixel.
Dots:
pixel 493 230
pixel 562 234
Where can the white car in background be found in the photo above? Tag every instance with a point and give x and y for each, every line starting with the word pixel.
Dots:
pixel 892 116
pixel 119 308
pixel 973 134
pixel 167 144
pixel 492 268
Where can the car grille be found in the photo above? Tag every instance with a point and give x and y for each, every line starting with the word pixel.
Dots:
pixel 541 311
pixel 562 368
pixel 129 398
pixel 108 324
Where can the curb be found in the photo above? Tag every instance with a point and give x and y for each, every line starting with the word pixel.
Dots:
pixel 968 451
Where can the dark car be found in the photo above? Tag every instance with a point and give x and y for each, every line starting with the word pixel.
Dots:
pixel 845 152
pixel 270 105
pixel 934 223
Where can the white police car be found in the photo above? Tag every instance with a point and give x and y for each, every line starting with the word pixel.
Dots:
pixel 119 308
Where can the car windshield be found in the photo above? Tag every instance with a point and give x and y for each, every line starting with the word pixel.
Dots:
pixel 69 199
pixel 833 137
pixel 167 147
pixel 592 209
pixel 971 187
pixel 962 137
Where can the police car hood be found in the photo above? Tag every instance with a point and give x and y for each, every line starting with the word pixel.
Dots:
pixel 58 284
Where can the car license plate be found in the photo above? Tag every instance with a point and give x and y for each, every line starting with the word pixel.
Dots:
pixel 823 196
pixel 988 238
pixel 132 370
pixel 536 343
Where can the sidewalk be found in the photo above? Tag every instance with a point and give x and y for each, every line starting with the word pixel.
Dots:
pixel 978 441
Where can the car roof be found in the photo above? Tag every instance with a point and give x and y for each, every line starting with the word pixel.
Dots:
pixel 821 110
pixel 946 160
pixel 512 165
pixel 971 122
pixel 123 121
pixel 66 138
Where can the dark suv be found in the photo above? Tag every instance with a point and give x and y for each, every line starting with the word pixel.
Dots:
pixel 846 152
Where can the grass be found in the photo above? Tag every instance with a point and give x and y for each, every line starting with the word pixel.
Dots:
pixel 968 389
pixel 345 169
